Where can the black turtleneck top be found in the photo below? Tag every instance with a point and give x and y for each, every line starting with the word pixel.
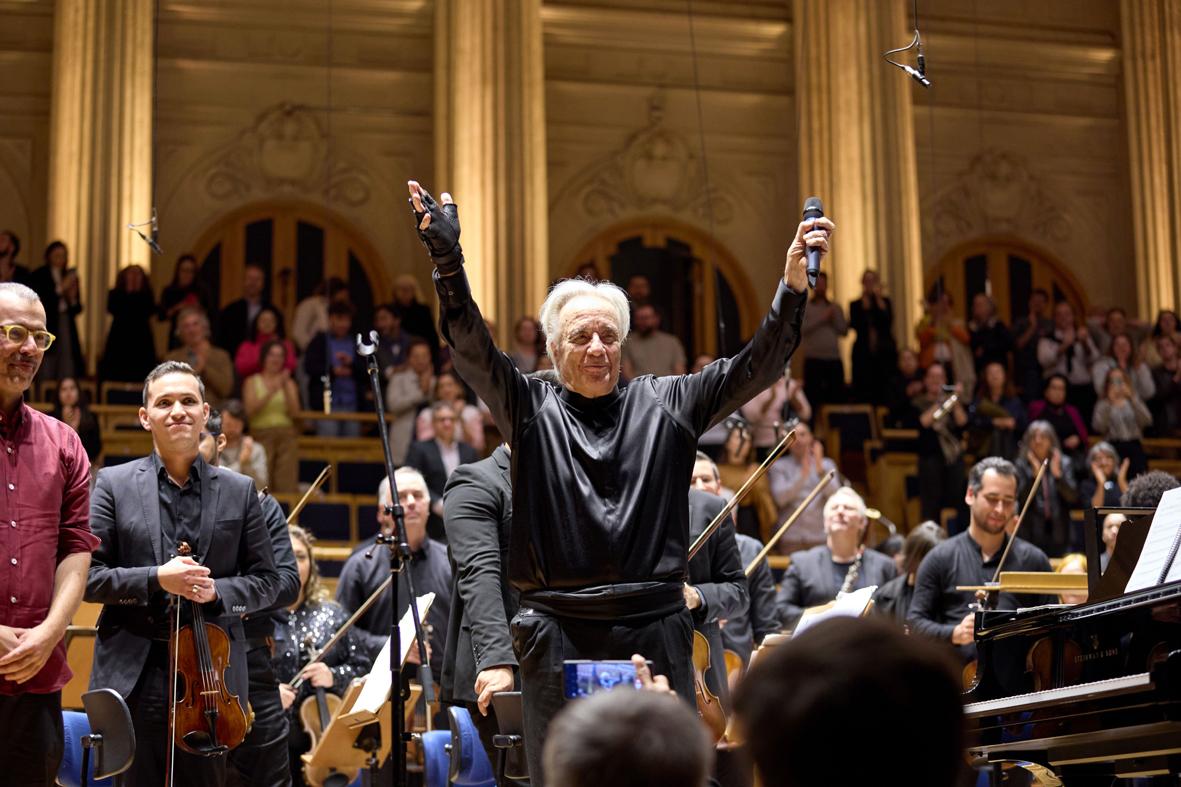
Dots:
pixel 600 486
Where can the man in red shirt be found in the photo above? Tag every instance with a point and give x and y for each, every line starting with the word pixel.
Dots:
pixel 45 546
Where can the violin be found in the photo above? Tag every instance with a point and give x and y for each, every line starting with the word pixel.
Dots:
pixel 207 720
pixel 709 707
pixel 315 713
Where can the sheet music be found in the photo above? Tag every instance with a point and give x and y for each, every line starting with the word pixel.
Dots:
pixel 377 683
pixel 851 605
pixel 1159 546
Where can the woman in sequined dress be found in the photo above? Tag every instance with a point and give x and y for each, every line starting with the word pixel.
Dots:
pixel 312 621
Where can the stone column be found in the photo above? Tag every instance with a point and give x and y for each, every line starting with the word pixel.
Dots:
pixel 490 148
pixel 100 157
pixel 1151 38
pixel 857 149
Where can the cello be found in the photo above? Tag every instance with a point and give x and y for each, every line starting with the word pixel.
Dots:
pixel 206 719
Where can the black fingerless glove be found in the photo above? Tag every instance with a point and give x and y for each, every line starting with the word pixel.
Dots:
pixel 441 237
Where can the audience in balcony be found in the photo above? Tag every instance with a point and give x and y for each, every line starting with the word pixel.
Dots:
pixel 1047 522
pixel 311 314
pixel 182 292
pixel 874 351
pixel 944 338
pixel 941 454
pixel 437 457
pixel 212 363
pixel 242 453
pixel 904 384
pixel 1028 331
pixel 1114 322
pixel 272 404
pixel 1121 354
pixel 409 390
pixel 756 514
pixel 768 411
pixel 1166 404
pixel 130 350
pixel 56 283
pixel 1108 477
pixel 824 327
pixel 266 328
pixel 337 380
pixel 528 344
pixel 1121 417
pixel 236 319
pixel 997 415
pixel 1063 416
pixel 10 268
pixel 1070 350
pixel 792 477
pixel 416 316
pixel 393 343
pixel 989 337
pixel 648 349
pixel 71 408
pixel 451 391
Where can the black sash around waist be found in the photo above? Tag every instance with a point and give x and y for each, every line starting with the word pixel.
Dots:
pixel 623 601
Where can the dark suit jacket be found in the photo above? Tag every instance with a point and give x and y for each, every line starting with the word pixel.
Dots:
pixel 810 581
pixel 41 280
pixel 125 515
pixel 479 512
pixel 260 623
pixel 746 630
pixel 233 324
pixel 716 572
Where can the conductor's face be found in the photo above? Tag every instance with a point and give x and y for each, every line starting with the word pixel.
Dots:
pixel 175 413
pixel 587 354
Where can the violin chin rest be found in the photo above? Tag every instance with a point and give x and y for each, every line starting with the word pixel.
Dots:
pixel 203 744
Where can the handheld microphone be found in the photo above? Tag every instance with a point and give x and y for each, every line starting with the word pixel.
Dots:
pixel 813 209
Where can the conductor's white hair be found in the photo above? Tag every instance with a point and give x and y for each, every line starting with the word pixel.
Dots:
pixel 401 475
pixel 847 494
pixel 564 291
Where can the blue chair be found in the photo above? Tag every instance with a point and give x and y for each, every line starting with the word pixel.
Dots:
pixel 112 741
pixel 470 765
pixel 69 773
pixel 436 758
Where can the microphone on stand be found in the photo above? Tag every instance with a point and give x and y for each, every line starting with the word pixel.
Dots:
pixel 813 209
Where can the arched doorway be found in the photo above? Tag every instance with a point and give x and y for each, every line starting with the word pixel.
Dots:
pixel 298 245
pixel 1008 270
pixel 692 277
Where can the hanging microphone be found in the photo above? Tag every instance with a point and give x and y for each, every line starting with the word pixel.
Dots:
pixel 917 76
pixel 813 209
pixel 153 240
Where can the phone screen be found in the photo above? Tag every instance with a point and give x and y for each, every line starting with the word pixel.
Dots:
pixel 584 678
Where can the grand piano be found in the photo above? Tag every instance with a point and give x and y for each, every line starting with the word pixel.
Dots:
pixel 1079 695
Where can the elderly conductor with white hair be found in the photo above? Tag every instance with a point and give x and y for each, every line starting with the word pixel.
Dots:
pixel 600 530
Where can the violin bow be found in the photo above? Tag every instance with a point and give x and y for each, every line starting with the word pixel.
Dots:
pixel 771 542
pixel 344 627
pixel 303 501
pixel 733 502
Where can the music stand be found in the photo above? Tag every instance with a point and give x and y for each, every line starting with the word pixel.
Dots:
pixel 112 736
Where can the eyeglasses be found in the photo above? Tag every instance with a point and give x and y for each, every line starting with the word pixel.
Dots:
pixel 17 334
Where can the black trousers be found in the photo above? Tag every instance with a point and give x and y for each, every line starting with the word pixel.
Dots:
pixel 261 760
pixel 31 741
pixel 148 704
pixel 824 382
pixel 542 642
pixel 941 485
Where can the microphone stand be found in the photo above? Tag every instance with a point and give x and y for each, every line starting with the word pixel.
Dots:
pixel 399 556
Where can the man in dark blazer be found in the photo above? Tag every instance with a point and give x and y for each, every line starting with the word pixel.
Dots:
pixel 717 586
pixel 479 659
pixel 816 575
pixel 235 320
pixel 436 459
pixel 140 511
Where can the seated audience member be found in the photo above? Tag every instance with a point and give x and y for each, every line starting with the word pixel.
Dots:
pixel 1120 417
pixel 313 620
pixel 842 564
pixel 648 349
pixel 1027 332
pixel 311 314
pixel 528 344
pixel 997 415
pixel 437 458
pixel 212 363
pixel 937 609
pixel 1047 522
pixel 1069 351
pixel 941 454
pixel 627 738
pixel 408 390
pixel 332 365
pixel 768 412
pixel 1166 377
pixel 1108 477
pixel 265 329
pixel 742 632
pixel 184 291
pixel 1146 489
pixel 1114 322
pixel 989 338
pixel 756 513
pixel 792 477
pixel 1164 327
pixel 1122 355
pixel 893 598
pixel 903 386
pixel 1064 417
pixel 1111 526
pixel 1073 563
pixel 70 407
pixel 449 390
pixel 242 454
pixel 272 404
pixel 853 680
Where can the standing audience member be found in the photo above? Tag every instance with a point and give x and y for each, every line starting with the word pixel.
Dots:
pixel 943 338
pixel 1115 322
pixel 71 408
pixel 10 269
pixel 1121 355
pixel 57 286
pixel 449 390
pixel 1070 351
pixel 528 344
pixel 893 598
pixel 941 455
pixel 48 545
pixel 1120 417
pixel 415 315
pixel 266 328
pixel 1028 331
pixel 770 411
pixel 311 314
pixel 1047 522
pixel 648 349
pixel 639 290
pixel 1166 377
pixel 130 350
pixel 211 363
pixel 184 291
pixel 1105 484
pixel 437 458
pixel 989 338
pixel 1065 418
pixel 393 343
pixel 272 405
pixel 804 703
pixel 236 319
pixel 940 611
pixel 874 351
pixel 997 415
pixel 242 453
pixel 1165 326
pixel 756 514
pixel 841 565
pixel 904 384
pixel 336 371
pixel 792 478
pixel 824 327
pixel 407 391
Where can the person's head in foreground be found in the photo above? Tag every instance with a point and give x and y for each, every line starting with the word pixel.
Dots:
pixel 626 738
pixel 853 684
